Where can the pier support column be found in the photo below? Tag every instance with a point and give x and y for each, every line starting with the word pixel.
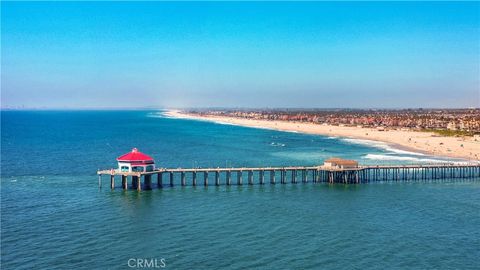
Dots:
pixel 134 181
pixel 159 180
pixel 194 179
pixel 282 176
pixel 183 179
pixel 272 177
pixel 304 176
pixel 217 178
pixel 239 178
pixel 294 177
pixel 205 178
pixel 148 181
pixel 124 182
pixel 250 177
pixel 229 178
pixel 139 182
pixel 112 181
pixel 171 179
pixel 261 177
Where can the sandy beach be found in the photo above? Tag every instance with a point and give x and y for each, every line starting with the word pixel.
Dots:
pixel 420 142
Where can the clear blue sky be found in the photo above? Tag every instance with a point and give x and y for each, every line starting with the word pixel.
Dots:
pixel 180 54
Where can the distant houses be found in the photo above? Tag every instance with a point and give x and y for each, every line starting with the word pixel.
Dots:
pixel 407 119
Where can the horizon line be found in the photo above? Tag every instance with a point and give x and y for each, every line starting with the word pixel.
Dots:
pixel 108 108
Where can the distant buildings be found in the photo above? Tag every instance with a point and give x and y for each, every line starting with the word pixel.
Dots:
pixel 408 119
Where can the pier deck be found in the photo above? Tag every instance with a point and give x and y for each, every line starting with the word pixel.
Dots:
pixel 294 174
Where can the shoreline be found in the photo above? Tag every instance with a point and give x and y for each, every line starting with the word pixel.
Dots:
pixel 417 142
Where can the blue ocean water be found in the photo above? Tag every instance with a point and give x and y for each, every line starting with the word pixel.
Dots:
pixel 53 215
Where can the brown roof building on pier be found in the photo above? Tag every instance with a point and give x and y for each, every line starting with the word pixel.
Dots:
pixel 339 163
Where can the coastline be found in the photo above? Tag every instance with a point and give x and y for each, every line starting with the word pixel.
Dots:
pixel 410 141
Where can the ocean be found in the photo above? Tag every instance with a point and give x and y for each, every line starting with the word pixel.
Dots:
pixel 54 216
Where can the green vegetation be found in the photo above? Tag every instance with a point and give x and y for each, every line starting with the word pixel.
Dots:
pixel 450 133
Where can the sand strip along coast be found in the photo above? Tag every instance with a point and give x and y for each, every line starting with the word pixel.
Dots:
pixel 421 142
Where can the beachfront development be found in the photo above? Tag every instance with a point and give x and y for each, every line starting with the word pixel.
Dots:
pixel 449 133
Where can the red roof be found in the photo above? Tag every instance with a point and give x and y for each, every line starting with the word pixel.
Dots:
pixel 137 156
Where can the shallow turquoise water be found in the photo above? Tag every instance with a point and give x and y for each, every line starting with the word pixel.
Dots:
pixel 55 217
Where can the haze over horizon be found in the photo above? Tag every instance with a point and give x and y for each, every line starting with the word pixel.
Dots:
pixel 241 55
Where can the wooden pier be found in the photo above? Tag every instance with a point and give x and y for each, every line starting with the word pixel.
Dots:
pixel 283 175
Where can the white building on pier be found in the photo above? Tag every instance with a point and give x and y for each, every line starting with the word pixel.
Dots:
pixel 135 161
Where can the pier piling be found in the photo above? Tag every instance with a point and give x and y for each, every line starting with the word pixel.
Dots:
pixel 229 178
pixel 182 175
pixel 124 182
pixel 250 177
pixel 272 176
pixel 148 181
pixel 112 181
pixel 137 182
pixel 239 178
pixel 159 180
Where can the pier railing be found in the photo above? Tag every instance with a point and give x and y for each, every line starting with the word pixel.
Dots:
pixel 294 174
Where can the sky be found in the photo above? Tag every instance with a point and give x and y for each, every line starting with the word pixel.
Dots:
pixel 240 54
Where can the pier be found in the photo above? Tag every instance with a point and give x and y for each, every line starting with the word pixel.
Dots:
pixel 138 166
pixel 165 177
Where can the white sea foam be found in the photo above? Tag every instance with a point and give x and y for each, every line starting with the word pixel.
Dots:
pixel 398 151
pixel 412 159
pixel 381 145
pixel 157 115
pixel 260 127
pixel 224 123
pixel 277 144
pixel 161 115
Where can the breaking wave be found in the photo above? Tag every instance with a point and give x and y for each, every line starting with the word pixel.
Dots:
pixel 159 115
pixel 277 144
pixel 381 145
pixel 410 159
